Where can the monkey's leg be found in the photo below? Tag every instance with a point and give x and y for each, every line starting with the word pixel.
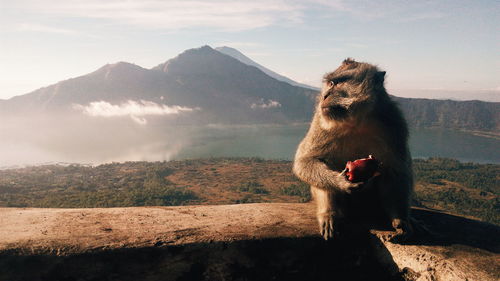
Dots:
pixel 395 200
pixel 327 213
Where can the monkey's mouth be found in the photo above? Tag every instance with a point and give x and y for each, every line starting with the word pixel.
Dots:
pixel 335 111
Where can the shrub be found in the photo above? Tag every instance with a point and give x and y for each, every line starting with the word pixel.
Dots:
pixel 252 187
pixel 301 190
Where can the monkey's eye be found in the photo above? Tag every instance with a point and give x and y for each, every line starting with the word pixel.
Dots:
pixel 339 80
pixel 343 94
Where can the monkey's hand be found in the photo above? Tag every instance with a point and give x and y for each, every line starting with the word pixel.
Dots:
pixel 315 172
pixel 345 185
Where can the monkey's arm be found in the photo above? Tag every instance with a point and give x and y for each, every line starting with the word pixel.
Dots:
pixel 309 167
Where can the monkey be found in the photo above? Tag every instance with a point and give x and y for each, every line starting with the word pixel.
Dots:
pixel 355 117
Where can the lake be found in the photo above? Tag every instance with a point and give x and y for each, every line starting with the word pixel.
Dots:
pixel 119 144
pixel 280 142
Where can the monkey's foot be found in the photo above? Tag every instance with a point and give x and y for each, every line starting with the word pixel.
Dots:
pixel 328 226
pixel 403 230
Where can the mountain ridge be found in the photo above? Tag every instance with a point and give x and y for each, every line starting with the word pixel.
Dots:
pixel 246 60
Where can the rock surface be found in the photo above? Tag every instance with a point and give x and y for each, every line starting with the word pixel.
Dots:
pixel 234 242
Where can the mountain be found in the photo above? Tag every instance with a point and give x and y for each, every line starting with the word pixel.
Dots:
pixel 246 60
pixel 458 95
pixel 234 92
pixel 221 82
pixel 219 86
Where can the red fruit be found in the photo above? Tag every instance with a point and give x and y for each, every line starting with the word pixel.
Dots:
pixel 362 169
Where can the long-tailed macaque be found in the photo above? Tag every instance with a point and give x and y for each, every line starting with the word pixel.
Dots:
pixel 354 118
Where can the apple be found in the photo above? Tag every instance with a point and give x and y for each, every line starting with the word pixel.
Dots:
pixel 362 169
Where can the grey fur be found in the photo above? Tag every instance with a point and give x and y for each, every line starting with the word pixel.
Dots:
pixel 354 118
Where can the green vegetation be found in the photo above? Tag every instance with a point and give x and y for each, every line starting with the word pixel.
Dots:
pixel 246 199
pixel 444 184
pixel 460 201
pixel 160 196
pixel 252 187
pixel 301 190
pixel 462 188
pixel 485 177
pixel 74 186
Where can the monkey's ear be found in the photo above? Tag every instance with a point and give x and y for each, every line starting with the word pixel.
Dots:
pixel 379 76
pixel 348 61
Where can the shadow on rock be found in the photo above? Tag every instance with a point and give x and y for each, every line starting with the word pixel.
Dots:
pixel 440 229
pixel 359 256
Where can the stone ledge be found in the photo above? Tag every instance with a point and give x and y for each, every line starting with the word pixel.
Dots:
pixel 233 242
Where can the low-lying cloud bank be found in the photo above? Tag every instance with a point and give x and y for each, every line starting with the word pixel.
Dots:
pixel 262 104
pixel 137 110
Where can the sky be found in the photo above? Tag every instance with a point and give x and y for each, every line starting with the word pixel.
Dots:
pixel 428 48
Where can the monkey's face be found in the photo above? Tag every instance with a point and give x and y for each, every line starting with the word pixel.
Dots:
pixel 349 93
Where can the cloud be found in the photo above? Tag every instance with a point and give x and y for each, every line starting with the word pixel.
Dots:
pixel 175 14
pixel 263 105
pixel 137 110
pixel 222 15
pixel 236 44
pixel 393 10
pixel 357 45
pixel 30 27
pixel 422 16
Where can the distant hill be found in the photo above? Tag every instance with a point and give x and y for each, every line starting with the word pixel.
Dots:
pixel 112 82
pixel 246 60
pixel 441 94
pixel 461 115
pixel 224 86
